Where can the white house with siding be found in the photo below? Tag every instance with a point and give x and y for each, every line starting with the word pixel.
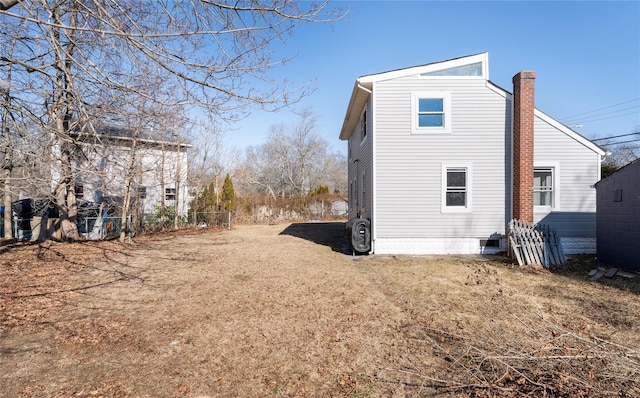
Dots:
pixel 440 159
pixel 159 167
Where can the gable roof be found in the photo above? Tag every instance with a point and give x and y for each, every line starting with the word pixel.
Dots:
pixel 363 87
pixel 553 122
pixel 364 84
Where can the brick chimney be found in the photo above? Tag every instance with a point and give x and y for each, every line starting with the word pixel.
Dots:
pixel 523 90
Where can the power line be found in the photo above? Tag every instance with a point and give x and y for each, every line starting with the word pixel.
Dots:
pixel 599 109
pixel 615 136
pixel 590 118
pixel 624 142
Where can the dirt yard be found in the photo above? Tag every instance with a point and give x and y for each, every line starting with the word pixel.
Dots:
pixel 281 311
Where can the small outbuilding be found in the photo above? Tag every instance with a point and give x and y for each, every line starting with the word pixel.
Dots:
pixel 618 218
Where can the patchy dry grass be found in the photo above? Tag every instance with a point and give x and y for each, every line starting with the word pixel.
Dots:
pixel 275 311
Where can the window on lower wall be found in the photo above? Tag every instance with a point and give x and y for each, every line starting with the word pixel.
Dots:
pixel 170 194
pixel 456 188
pixel 79 191
pixel 543 186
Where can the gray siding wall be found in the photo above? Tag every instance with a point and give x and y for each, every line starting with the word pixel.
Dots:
pixel 409 166
pixel 618 218
pixel 574 214
pixel 362 151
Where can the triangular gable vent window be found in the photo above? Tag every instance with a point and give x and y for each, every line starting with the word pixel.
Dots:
pixel 464 70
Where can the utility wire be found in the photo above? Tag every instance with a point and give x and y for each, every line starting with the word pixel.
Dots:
pixel 615 136
pixel 590 118
pixel 608 117
pixel 625 142
pixel 599 109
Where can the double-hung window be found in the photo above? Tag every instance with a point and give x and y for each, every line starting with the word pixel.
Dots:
pixel 431 112
pixel 543 186
pixel 169 194
pixel 456 188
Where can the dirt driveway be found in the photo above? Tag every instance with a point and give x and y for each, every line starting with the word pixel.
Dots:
pixel 275 311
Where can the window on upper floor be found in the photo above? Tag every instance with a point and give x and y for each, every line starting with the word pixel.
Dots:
pixel 456 188
pixel 363 125
pixel 142 192
pixel 431 112
pixel 543 186
pixel 463 70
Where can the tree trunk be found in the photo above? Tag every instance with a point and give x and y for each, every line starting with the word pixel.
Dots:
pixel 126 203
pixel 62 111
pixel 8 231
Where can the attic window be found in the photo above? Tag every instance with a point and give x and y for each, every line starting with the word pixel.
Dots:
pixel 464 70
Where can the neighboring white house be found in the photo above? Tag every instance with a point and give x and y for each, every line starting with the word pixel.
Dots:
pixel 440 159
pixel 159 169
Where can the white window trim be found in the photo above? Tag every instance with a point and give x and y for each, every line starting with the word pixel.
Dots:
pixel 555 189
pixel 446 107
pixel 363 127
pixel 443 201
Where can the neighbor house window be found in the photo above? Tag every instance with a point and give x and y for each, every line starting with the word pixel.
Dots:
pixel 142 192
pixel 456 191
pixel 79 190
pixel 543 186
pixel 170 194
pixel 431 112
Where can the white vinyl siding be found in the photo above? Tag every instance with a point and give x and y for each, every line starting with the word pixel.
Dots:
pixel 409 166
pixel 574 207
pixel 360 165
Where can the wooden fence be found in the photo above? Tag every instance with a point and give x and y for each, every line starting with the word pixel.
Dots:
pixel 535 244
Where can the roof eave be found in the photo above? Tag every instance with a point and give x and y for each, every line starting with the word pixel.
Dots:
pixel 359 97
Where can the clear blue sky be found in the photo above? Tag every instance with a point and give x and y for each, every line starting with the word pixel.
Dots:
pixel 586 55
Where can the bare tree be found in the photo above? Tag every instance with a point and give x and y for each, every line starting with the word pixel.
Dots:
pixel 623 150
pixel 294 160
pixel 208 159
pixel 72 52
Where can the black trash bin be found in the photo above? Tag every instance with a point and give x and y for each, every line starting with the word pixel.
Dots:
pixel 360 235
